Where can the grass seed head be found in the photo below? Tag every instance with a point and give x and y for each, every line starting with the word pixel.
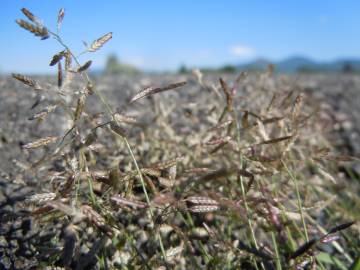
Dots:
pixel 41 142
pixel 97 44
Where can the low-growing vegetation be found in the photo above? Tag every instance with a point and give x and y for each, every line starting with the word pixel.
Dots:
pixel 242 175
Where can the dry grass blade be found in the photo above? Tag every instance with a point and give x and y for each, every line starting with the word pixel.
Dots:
pixel 97 44
pixel 27 81
pixel 84 66
pixel 41 142
pixel 36 30
pixel 153 90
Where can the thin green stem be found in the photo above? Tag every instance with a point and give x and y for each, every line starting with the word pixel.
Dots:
pixel 242 185
pixel 278 260
pixel 298 198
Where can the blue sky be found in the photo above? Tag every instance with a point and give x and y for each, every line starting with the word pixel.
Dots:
pixel 160 35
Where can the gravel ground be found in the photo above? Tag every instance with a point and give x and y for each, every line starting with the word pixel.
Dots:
pixel 339 95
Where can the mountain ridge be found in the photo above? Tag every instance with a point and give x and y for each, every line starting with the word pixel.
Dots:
pixel 301 63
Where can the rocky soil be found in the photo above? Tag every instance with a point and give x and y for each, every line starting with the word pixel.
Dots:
pixel 338 96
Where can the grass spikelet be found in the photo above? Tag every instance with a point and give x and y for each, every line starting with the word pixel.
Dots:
pixel 41 142
pixel 36 30
pixel 128 202
pixel 41 198
pixel 153 90
pixel 276 140
pixel 31 16
pixel 56 58
pixel 121 118
pixel 97 44
pixel 227 92
pixel 79 107
pixel 95 218
pixel 204 208
pixel 201 200
pixel 27 81
pixel 68 60
pixel 303 249
pixel 221 125
pixel 84 66
pixel 60 18
pixel 221 140
pixel 42 114
pixel 117 129
pixel 341 227
pixel 168 164
pixel 175 251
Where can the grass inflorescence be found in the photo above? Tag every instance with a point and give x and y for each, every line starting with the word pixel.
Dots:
pixel 242 176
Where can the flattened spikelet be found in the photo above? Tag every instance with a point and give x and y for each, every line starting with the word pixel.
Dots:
pixel 57 57
pixel 30 16
pixel 341 227
pixel 27 81
pixel 153 90
pixel 40 142
pixel 220 140
pixel 79 107
pixel 42 114
pixel 117 129
pixel 221 125
pixel 60 17
pixel 60 75
pixel 41 198
pixel 36 30
pixel 227 93
pixel 84 66
pixel 97 44
pixel 124 118
pixel 276 140
pixel 204 208
pixel 201 200
pixel 128 202
pixel 68 58
pixel 302 249
pixel 95 218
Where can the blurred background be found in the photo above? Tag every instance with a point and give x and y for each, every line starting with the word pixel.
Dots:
pixel 176 36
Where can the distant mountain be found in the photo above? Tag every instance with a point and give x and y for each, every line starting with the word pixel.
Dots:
pixel 299 63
